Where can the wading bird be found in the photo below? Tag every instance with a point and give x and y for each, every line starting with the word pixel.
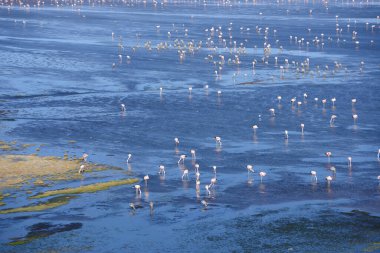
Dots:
pixel 218 140
pixel 129 157
pixel 262 174
pixel 182 159
pixel 138 189
pixel 185 174
pixel 314 175
pixel 81 169
pixel 161 170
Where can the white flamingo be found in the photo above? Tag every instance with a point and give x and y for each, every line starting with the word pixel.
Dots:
pixel 192 152
pixel 182 159
pixel 207 187
pixel 355 117
pixel 129 157
pixel 84 157
pixel 81 169
pixel 332 119
pixel 349 161
pixel 286 134
pixel 328 180
pixel 146 178
pixel 250 169
pixel 328 154
pixel 123 108
pixel 314 175
pixel 218 140
pixel 185 174
pixel 138 189
pixel 262 174
pixel 302 127
pixel 161 170
pixel 176 141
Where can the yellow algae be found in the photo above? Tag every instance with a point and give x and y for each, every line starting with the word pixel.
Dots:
pixel 86 188
pixel 373 248
pixel 19 169
pixel 2 197
pixel 51 203
pixel 27 145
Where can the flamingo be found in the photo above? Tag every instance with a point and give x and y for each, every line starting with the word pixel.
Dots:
pixel 254 127
pixel 190 89
pixel 293 100
pixel 316 100
pixel 349 161
pixel 196 167
pixel 314 175
pixel 212 182
pixel 123 108
pixel 214 168
pixel 355 117
pixel 207 187
pixel 146 178
pixel 286 134
pixel 328 154
pixel 262 174
pixel 185 174
pixel 182 158
pixel 302 127
pixel 324 102
pixel 204 203
pixel 129 157
pixel 250 168
pixel 353 101
pixel 333 169
pixel 81 169
pixel 131 205
pixel 138 189
pixel 219 92
pixel 333 100
pixel 332 119
pixel 84 157
pixel 161 169
pixel 378 178
pixel 272 112
pixel 328 180
pixel 151 204
pixel 197 174
pixel 193 154
pixel 218 140
pixel 279 99
pixel 176 140
pixel 305 96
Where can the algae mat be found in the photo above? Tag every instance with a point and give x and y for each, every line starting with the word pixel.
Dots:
pixel 51 203
pixel 17 169
pixel 86 188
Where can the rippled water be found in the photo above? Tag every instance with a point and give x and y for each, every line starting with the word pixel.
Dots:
pixel 57 84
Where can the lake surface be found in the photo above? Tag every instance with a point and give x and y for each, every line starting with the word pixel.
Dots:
pixel 62 80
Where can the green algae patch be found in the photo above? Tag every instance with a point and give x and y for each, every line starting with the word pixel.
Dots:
pixel 51 203
pixel 86 188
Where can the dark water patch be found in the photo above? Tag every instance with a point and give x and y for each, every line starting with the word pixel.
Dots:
pixel 43 229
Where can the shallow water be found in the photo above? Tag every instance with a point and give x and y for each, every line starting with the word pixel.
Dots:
pixel 58 84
